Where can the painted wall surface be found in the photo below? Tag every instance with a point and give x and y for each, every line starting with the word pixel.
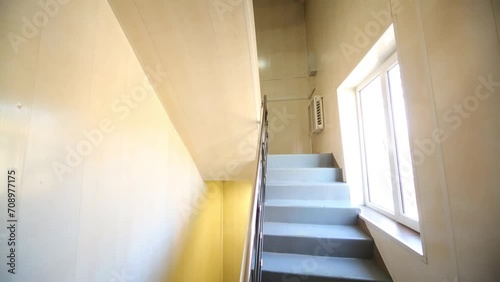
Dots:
pixel 212 247
pixel 464 68
pixel 330 27
pixel 449 53
pixel 104 184
pixel 199 258
pixel 237 201
pixel 281 46
pixel 211 91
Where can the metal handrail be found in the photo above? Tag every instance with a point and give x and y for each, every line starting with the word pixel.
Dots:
pixel 252 254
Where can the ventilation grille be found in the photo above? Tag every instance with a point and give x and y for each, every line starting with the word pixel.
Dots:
pixel 316 115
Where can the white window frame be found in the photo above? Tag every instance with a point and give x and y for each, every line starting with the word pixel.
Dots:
pixel 398 215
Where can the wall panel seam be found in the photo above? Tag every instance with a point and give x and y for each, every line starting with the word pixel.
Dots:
pixel 439 148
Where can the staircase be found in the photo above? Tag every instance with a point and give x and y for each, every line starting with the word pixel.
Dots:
pixel 310 229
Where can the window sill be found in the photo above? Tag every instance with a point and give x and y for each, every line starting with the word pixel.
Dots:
pixel 398 232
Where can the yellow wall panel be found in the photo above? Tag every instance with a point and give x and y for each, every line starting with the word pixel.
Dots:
pixel 212 246
pixel 237 200
pixel 200 253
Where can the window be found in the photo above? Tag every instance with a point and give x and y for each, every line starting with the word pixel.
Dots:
pixel 388 170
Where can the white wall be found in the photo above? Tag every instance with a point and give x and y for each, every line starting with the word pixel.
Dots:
pixel 444 48
pixel 122 209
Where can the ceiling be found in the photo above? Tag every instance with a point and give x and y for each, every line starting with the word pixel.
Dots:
pixel 211 87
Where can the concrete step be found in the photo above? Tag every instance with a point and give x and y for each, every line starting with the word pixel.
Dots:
pixel 311 212
pixel 335 191
pixel 293 267
pixel 300 161
pixel 304 174
pixel 317 240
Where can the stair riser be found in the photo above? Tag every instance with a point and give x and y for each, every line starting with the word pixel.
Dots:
pixel 300 161
pixel 284 277
pixel 332 216
pixel 338 192
pixel 305 175
pixel 362 249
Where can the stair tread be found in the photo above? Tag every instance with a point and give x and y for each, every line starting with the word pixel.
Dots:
pixel 300 160
pixel 303 168
pixel 272 182
pixel 309 204
pixel 303 183
pixel 300 155
pixel 314 231
pixel 329 267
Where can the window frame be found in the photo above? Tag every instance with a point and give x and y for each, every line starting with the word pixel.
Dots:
pixel 382 71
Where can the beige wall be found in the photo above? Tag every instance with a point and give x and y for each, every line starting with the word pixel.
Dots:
pixel 211 90
pixel 462 51
pixel 121 210
pixel 328 24
pixel 281 46
pixel 443 47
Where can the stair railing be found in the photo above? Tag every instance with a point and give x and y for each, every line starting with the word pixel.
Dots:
pixel 251 268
